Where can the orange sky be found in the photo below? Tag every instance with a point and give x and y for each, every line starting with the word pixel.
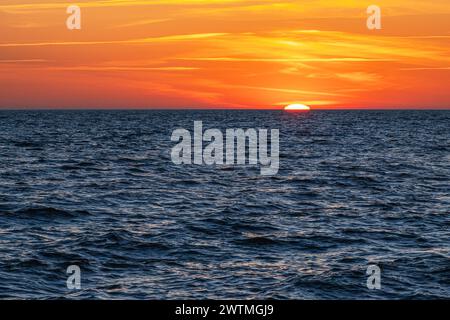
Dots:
pixel 224 54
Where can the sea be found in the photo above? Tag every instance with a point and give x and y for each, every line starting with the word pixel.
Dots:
pixel 98 190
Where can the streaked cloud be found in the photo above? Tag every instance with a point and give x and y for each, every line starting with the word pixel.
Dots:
pixel 22 60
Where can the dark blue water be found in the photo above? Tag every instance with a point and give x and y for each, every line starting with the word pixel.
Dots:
pixel 98 189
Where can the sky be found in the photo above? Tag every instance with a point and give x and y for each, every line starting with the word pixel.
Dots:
pixel 224 54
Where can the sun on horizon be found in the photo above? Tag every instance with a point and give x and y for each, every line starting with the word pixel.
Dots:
pixel 297 107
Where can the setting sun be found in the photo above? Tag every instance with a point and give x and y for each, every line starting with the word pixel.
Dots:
pixel 297 107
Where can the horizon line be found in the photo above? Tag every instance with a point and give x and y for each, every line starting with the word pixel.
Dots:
pixel 218 109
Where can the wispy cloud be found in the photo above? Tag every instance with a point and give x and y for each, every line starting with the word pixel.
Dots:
pixel 22 60
pixel 121 68
pixel 181 37
pixel 425 68
pixel 141 23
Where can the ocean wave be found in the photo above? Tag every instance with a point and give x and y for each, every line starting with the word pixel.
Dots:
pixel 98 189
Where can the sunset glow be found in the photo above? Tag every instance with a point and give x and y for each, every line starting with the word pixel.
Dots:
pixel 224 54
pixel 297 107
